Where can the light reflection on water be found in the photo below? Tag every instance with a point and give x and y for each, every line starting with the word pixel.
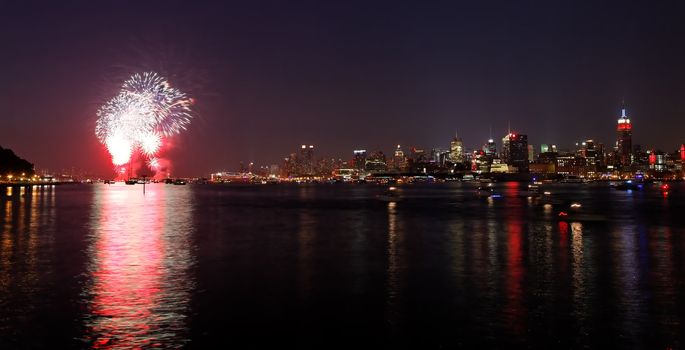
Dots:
pixel 306 238
pixel 25 241
pixel 579 270
pixel 395 240
pixel 106 267
pixel 139 257
pixel 515 309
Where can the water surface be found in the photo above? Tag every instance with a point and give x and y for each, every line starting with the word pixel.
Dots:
pixel 99 266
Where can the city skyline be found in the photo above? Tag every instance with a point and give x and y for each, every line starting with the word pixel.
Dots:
pixel 456 152
pixel 448 149
pixel 266 78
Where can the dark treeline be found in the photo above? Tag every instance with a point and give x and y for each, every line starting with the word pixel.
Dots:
pixel 10 163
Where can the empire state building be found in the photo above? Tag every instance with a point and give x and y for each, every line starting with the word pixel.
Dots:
pixel 624 139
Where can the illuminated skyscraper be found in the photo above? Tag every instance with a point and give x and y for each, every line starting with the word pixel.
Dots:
pixel 624 139
pixel 306 160
pixel 515 151
pixel 457 150
pixel 531 153
pixel 290 166
pixel 480 162
pixel 439 155
pixel 360 159
pixel 490 148
pixel 376 163
pixel 399 160
pixel 417 155
pixel 657 160
pixel 588 151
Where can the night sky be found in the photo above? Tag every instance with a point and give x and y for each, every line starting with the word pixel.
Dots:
pixel 268 76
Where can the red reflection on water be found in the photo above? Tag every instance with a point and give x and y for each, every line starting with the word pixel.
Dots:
pixel 511 189
pixel 135 300
pixel 128 273
pixel 515 270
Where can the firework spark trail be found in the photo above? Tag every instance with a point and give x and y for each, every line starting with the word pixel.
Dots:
pixel 169 106
pixel 153 163
pixel 146 110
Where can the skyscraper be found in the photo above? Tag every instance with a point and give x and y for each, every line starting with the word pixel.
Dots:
pixel 624 139
pixel 439 155
pixel 531 154
pixel 490 148
pixel 399 160
pixel 515 151
pixel 306 160
pixel 376 163
pixel 457 149
pixel 360 159
pixel 589 152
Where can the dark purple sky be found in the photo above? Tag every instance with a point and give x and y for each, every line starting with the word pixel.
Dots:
pixel 269 76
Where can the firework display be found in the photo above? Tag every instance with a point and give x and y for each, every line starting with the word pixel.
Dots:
pixel 145 112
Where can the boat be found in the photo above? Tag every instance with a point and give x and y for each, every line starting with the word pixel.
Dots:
pixel 485 190
pixel 532 191
pixel 628 185
pixel 179 182
pixel 390 195
pixel 131 181
pixel 572 180
pixel 423 179
pixel 573 211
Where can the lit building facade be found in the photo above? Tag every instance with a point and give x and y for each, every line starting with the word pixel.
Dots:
pixel 480 162
pixel 657 160
pixel 589 152
pixel 376 163
pixel 306 166
pixel 457 150
pixel 515 151
pixel 360 159
pixel 490 148
pixel 531 154
pixel 624 139
pixel 399 159
pixel 439 156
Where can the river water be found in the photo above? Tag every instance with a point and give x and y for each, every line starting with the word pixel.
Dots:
pixel 330 266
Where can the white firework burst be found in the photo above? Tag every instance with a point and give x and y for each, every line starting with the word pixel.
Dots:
pixel 146 109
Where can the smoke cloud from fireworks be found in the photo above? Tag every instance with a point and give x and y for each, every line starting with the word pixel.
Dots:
pixel 139 118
